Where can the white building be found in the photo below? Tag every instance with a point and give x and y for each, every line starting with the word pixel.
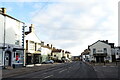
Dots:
pixel 32 47
pixel 57 54
pixel 11 44
pixel 46 52
pixel 101 51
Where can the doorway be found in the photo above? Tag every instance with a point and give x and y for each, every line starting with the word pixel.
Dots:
pixel 99 59
pixel 8 58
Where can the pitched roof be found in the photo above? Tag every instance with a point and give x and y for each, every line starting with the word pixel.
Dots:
pixel 85 52
pixel 106 42
pixel 56 50
pixel 11 17
pixel 45 46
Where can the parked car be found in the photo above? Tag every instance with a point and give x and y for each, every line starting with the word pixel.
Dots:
pixel 47 62
pixel 118 59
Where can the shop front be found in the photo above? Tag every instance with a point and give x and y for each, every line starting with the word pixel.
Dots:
pixel 13 57
pixel 33 58
pixel 100 58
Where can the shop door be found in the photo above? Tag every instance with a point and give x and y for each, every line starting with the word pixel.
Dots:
pixel 113 58
pixel 28 59
pixel 8 58
pixel 102 59
pixel 36 58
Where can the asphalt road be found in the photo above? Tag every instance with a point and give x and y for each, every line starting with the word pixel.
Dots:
pixel 70 71
pixel 64 71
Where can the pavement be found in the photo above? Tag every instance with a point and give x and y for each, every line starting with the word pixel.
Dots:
pixel 105 64
pixel 6 73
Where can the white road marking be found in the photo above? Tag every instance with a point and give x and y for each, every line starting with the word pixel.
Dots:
pixel 48 76
pixel 62 70
pixel 103 66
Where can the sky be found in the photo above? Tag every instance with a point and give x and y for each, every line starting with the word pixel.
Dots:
pixel 70 25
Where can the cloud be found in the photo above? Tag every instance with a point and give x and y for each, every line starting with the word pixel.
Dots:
pixel 74 26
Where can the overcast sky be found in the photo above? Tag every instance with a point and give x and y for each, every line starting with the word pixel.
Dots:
pixel 68 24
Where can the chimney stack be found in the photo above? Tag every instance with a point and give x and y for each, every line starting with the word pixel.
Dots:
pixel 3 10
pixel 51 45
pixel 32 28
pixel 47 45
pixel 107 41
pixel 42 43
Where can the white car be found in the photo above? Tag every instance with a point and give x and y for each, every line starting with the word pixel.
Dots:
pixel 50 61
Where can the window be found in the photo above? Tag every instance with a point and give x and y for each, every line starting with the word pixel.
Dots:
pixel 105 50
pixel 35 46
pixel 94 51
pixel 31 45
pixel 26 44
pixel 17 42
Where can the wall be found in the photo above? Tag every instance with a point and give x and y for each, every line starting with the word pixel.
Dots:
pixel 13 31
pixel 1 28
pixel 45 52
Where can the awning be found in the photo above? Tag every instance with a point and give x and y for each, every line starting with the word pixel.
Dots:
pixel 14 49
pixel 100 54
pixel 3 47
pixel 37 52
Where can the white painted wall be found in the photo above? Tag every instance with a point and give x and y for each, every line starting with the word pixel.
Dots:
pixel 1 28
pixel 59 55
pixel 32 37
pixel 99 46
pixel 45 51
pixel 13 31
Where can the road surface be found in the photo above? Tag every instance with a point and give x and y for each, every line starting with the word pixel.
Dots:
pixel 69 71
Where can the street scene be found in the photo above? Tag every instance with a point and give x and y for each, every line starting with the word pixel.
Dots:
pixel 59 40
